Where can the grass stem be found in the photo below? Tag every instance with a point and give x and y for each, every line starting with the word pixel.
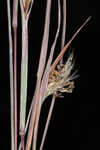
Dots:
pixel 11 74
pixel 63 27
pixel 15 85
pixel 24 73
pixel 48 121
pixel 14 24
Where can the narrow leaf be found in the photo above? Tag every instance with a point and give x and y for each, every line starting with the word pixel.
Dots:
pixel 67 45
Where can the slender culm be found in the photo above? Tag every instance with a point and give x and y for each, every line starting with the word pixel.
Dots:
pixel 15 24
pixel 24 66
pixel 11 74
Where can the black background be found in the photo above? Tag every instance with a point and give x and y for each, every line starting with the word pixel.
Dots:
pixel 75 120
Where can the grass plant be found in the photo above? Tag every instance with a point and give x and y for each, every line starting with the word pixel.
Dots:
pixel 53 77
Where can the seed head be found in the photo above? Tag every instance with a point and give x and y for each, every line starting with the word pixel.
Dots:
pixel 61 80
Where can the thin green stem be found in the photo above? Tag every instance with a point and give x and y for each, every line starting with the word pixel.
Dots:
pixel 11 75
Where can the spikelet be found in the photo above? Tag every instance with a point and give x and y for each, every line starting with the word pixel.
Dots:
pixel 61 79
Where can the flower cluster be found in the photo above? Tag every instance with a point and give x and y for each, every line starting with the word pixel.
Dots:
pixel 61 79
